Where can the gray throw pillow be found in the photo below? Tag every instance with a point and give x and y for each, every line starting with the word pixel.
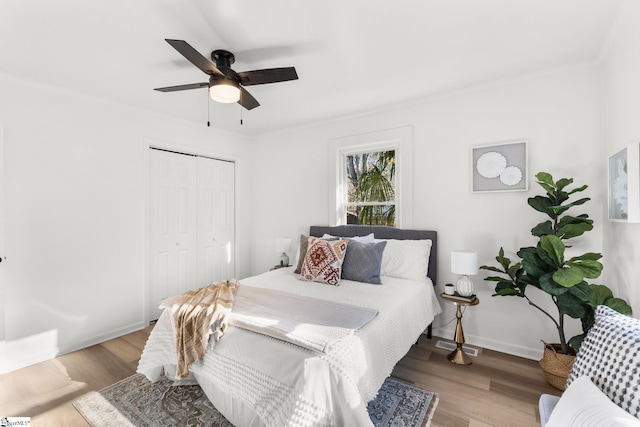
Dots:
pixel 362 262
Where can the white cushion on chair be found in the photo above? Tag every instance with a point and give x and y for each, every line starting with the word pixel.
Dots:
pixel 583 404
pixel 545 405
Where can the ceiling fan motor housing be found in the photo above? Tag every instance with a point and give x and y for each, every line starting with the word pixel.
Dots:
pixel 223 58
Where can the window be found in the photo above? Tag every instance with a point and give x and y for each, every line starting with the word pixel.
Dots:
pixel 371 188
pixel 373 178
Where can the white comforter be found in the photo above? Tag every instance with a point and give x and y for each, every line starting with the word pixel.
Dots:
pixel 254 380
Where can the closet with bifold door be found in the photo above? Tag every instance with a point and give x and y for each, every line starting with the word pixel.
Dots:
pixel 191 223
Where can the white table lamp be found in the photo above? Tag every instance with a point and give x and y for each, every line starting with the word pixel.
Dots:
pixel 465 263
pixel 283 245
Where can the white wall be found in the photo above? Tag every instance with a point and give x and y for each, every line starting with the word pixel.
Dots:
pixel 76 193
pixel 559 113
pixel 76 209
pixel 622 107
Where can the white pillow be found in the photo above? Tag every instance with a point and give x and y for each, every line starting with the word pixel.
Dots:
pixel 406 259
pixel 583 404
pixel 363 239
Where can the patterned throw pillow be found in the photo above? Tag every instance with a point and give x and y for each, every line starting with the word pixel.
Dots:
pixel 323 260
pixel 302 250
pixel 610 357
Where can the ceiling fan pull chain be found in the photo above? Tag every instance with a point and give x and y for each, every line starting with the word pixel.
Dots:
pixel 241 108
pixel 208 110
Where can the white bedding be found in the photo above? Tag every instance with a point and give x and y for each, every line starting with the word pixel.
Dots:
pixel 254 380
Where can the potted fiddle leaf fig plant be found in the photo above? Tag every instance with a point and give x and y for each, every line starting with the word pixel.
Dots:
pixel 547 268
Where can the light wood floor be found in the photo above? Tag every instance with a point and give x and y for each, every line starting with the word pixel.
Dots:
pixel 496 390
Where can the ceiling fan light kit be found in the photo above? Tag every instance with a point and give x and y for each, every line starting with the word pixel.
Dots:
pixel 224 91
pixel 225 85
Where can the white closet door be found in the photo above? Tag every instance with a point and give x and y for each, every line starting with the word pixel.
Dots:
pixel 216 220
pixel 3 299
pixel 173 227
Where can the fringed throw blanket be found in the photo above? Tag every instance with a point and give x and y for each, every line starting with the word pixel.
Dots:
pixel 196 315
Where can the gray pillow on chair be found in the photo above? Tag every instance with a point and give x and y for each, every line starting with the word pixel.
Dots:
pixel 362 261
pixel 610 357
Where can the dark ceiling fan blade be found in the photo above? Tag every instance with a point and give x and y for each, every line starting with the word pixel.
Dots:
pixel 247 100
pixel 194 56
pixel 182 87
pixel 270 75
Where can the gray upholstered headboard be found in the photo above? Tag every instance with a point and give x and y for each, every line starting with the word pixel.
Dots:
pixel 382 232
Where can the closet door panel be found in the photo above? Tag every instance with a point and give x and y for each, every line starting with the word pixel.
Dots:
pixel 216 224
pixel 172 226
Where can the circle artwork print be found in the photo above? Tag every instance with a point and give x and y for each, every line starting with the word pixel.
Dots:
pixel 511 176
pixel 491 164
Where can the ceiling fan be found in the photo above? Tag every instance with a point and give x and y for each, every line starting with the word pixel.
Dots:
pixel 225 85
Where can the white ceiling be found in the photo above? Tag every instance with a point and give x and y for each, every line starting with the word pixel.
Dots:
pixel 351 56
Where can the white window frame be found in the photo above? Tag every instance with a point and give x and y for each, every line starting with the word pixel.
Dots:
pixel 398 139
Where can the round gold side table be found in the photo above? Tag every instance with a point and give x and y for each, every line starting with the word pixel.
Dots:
pixel 458 356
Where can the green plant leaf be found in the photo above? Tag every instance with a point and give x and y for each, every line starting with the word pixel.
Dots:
pixel 548 285
pixel 554 248
pixel 542 229
pixel 619 305
pixel 506 292
pixel 545 178
pixel 600 294
pixel 576 342
pixel 594 256
pixel 588 268
pixel 503 289
pixel 573 230
pixel 568 276
pixel 542 204
pixel 570 305
pixel 582 291
pixel 502 260
pixel 568 219
pixel 497 279
pixel 575 190
pixel 559 209
pixel 514 270
pixel 569 226
pixel 563 182
pixel 491 268
pixel 548 263
pixel 532 264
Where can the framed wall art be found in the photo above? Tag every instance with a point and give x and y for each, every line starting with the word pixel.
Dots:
pixel 499 167
pixel 624 184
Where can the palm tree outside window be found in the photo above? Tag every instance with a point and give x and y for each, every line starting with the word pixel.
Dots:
pixel 371 188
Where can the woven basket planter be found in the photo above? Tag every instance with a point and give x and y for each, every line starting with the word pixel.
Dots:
pixel 556 366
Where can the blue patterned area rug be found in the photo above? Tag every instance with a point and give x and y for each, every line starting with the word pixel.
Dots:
pixel 137 402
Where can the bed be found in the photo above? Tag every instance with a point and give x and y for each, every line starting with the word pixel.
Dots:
pixel 256 380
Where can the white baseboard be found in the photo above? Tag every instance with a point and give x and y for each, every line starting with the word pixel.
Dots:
pixel 17 354
pixel 501 346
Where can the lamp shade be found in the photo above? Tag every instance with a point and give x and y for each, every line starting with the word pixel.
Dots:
pixel 464 262
pixel 283 244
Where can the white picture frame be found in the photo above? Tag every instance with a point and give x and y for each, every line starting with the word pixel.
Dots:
pixel 500 167
pixel 624 184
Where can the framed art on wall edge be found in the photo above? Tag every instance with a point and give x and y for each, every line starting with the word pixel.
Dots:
pixel 499 167
pixel 624 184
